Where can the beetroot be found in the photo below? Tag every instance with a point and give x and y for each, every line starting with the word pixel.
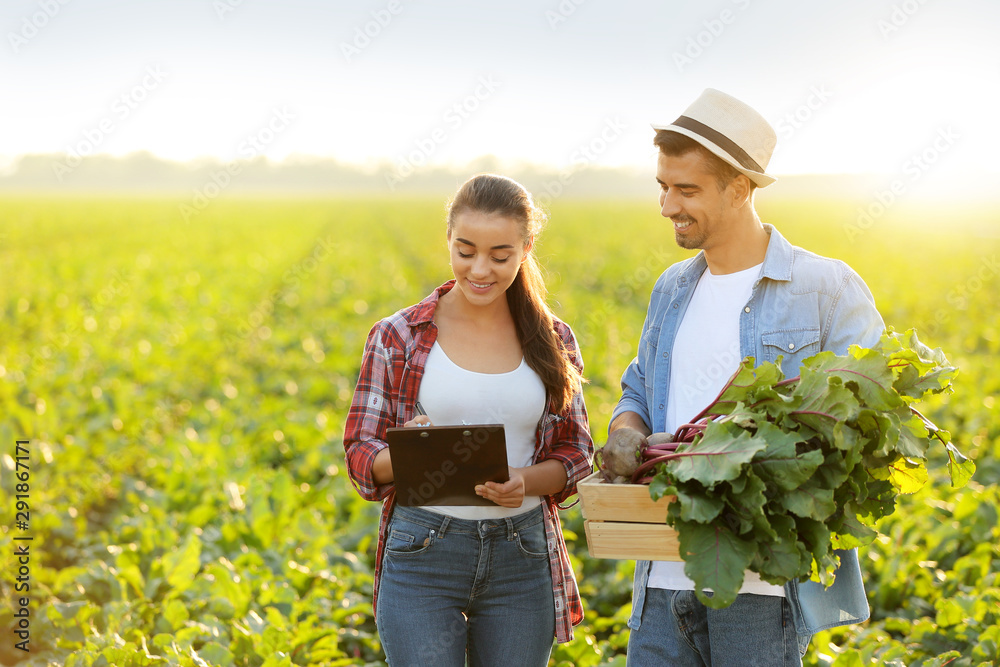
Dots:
pixel 620 456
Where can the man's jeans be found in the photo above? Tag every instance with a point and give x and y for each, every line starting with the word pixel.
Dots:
pixel 680 631
pixel 451 584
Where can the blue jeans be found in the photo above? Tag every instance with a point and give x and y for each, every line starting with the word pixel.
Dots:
pixel 453 588
pixel 678 630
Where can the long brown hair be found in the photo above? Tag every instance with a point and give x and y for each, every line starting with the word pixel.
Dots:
pixel 542 347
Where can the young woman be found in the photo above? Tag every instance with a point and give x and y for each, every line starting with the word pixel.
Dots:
pixel 490 584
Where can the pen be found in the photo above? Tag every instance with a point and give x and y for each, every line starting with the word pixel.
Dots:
pixel 420 409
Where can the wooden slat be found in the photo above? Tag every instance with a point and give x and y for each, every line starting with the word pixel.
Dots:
pixel 631 541
pixel 620 502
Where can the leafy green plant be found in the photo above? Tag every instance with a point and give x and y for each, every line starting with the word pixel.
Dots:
pixel 186 385
pixel 783 472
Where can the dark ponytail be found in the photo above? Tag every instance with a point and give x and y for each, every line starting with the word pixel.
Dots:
pixel 542 347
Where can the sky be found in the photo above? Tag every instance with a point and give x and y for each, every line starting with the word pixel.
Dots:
pixel 904 87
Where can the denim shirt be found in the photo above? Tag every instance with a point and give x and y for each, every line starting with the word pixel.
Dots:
pixel 801 304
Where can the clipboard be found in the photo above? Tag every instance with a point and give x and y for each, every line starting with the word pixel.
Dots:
pixel 441 465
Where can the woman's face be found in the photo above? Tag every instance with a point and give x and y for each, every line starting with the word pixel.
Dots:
pixel 486 254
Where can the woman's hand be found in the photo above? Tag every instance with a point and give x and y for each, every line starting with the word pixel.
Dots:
pixel 508 494
pixel 539 479
pixel 382 465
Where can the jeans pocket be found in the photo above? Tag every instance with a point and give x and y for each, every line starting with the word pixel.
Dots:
pixel 531 541
pixel 407 539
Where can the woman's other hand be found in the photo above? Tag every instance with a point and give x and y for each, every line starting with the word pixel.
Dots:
pixel 508 494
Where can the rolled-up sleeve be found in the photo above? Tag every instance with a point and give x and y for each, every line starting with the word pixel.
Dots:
pixel 370 415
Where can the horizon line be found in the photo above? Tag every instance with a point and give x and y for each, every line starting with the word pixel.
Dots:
pixel 374 165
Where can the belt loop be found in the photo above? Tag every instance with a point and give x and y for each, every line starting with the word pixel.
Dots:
pixel 510 528
pixel 444 526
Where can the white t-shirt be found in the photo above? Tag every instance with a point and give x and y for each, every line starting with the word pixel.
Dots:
pixel 706 353
pixel 452 395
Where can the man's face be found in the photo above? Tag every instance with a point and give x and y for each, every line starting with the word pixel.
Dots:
pixel 690 197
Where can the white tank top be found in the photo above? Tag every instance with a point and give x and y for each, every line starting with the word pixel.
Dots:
pixel 452 395
pixel 706 353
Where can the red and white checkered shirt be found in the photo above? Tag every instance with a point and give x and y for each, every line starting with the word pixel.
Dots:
pixel 391 369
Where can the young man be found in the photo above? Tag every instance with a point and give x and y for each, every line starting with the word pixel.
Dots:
pixel 747 293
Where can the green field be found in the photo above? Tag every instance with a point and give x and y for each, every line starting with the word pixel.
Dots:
pixel 183 387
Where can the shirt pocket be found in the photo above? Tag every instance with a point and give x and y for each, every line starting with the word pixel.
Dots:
pixel 793 345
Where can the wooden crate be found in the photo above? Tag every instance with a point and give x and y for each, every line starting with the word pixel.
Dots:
pixel 622 521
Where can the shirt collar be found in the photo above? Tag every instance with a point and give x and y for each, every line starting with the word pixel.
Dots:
pixel 423 312
pixel 777 260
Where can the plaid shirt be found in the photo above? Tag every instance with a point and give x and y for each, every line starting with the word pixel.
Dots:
pixel 391 370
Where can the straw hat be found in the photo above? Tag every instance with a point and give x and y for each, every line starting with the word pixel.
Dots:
pixel 731 130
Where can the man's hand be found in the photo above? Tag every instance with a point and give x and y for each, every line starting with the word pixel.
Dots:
pixel 620 455
pixel 628 420
pixel 626 438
